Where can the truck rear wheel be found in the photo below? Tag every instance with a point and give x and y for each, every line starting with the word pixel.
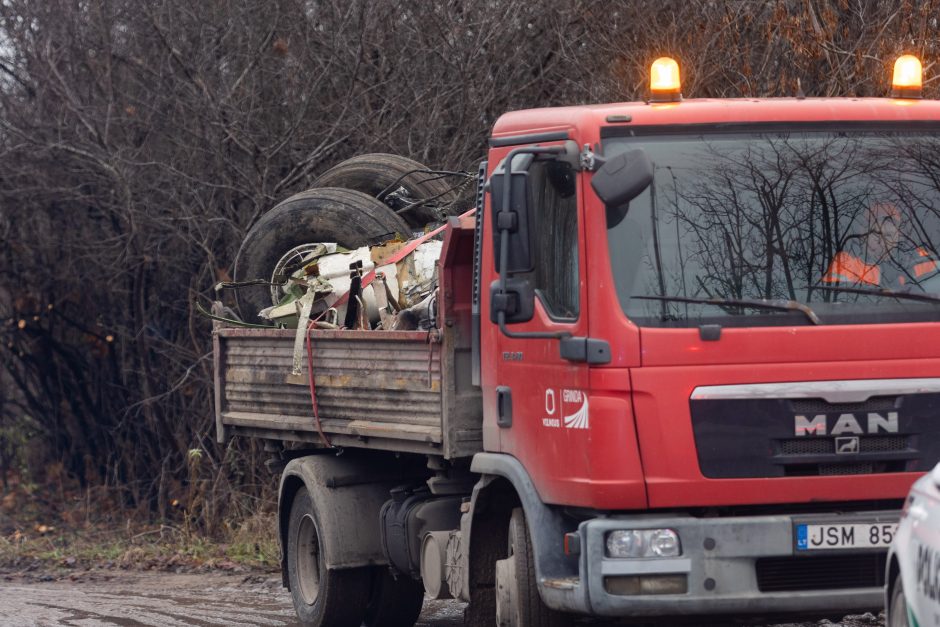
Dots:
pixel 347 217
pixel 400 180
pixel 322 597
pixel 518 603
pixel 395 602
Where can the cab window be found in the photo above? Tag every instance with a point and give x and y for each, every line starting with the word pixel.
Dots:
pixel 555 252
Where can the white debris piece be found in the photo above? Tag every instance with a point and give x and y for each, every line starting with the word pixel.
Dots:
pixel 417 273
pixel 411 280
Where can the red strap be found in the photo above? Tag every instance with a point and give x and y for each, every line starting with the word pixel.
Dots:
pixel 313 389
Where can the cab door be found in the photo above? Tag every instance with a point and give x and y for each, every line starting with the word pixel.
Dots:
pixel 536 404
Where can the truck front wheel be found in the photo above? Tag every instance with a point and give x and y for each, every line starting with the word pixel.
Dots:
pixel 518 603
pixel 322 597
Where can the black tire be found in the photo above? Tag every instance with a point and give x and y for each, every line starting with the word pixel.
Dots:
pixel 394 602
pixel 528 610
pixel 322 597
pixel 347 217
pixel 373 173
pixel 897 609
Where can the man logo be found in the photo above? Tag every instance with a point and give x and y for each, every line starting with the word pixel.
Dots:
pixel 847 446
pixel 845 424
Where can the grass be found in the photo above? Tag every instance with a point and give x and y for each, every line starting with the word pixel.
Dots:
pixel 36 537
pixel 250 546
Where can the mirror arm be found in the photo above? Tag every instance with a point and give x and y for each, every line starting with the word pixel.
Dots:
pixel 589 160
pixel 522 335
pixel 503 260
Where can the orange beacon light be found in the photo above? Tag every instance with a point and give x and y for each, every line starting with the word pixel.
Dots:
pixel 908 78
pixel 665 85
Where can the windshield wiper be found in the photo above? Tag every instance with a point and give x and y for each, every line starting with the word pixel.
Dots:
pixel 882 291
pixel 755 303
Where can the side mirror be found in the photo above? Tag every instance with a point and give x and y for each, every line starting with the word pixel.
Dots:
pixel 516 300
pixel 623 178
pixel 515 216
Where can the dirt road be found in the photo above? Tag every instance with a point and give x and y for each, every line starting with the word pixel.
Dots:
pixel 165 600
pixel 172 600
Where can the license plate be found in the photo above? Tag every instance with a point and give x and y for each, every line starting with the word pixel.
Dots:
pixel 836 536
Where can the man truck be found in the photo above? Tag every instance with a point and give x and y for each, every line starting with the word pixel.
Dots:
pixel 640 389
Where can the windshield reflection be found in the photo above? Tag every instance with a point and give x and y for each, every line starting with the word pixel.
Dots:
pixel 781 216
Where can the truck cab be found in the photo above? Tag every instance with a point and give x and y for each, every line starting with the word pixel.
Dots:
pixel 741 418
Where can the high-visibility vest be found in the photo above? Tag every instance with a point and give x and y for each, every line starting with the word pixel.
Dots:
pixel 847 268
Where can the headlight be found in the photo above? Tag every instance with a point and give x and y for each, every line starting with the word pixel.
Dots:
pixel 665 543
pixel 626 543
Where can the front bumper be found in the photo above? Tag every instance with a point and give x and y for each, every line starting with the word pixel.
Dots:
pixel 719 559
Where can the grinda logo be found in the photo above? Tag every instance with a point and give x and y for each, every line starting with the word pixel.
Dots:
pixel 575 402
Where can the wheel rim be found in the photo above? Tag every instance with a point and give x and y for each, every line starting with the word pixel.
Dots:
pixel 289 263
pixel 308 560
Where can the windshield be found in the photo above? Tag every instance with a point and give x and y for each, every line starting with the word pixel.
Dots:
pixel 846 222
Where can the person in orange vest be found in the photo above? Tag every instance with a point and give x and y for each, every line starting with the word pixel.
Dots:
pixel 882 262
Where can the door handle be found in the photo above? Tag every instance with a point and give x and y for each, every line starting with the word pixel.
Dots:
pixel 503 407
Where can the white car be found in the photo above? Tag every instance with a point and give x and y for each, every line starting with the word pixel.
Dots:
pixel 912 590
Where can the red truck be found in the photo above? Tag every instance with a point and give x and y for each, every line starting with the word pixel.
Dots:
pixel 684 361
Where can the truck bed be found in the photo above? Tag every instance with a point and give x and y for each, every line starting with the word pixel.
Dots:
pixel 408 391
pixel 374 389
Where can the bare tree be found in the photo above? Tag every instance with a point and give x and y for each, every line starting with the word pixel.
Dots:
pixel 140 141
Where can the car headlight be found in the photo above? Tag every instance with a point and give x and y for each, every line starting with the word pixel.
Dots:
pixel 625 543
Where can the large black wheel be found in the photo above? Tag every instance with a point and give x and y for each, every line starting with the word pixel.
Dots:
pixel 897 610
pixel 322 597
pixel 518 603
pixel 395 602
pixel 274 246
pixel 396 181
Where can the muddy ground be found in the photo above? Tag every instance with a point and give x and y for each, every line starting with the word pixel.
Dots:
pixel 165 600
pixel 171 600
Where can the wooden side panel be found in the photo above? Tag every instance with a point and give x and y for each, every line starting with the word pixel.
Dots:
pixel 369 385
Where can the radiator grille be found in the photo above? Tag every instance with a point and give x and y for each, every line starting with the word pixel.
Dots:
pixel 846 469
pixel 856 468
pixel 793 437
pixel 826 446
pixel 823 572
pixel 814 446
pixel 819 406
pixel 793 453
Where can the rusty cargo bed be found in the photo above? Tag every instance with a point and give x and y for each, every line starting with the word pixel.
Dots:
pixel 407 391
pixel 390 390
